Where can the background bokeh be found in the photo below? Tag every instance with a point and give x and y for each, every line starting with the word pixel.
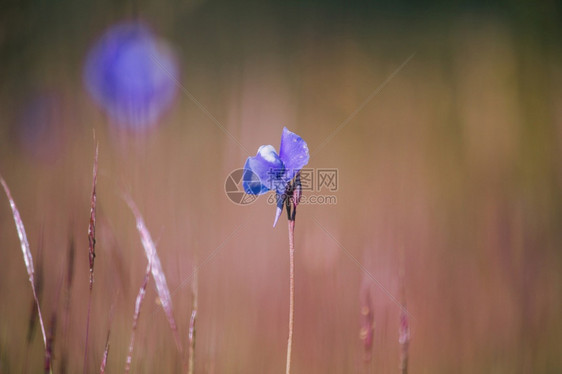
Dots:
pixel 449 186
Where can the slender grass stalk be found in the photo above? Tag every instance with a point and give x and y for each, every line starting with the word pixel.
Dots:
pixel 49 351
pixel 66 321
pixel 404 340
pixel 138 303
pixel 92 225
pixel 192 321
pixel 27 257
pixel 50 344
pixel 156 269
pixel 91 253
pixel 404 330
pixel 39 289
pixel 105 353
pixel 33 308
pixel 85 363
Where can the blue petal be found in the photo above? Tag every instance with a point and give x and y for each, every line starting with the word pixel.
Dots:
pixel 251 182
pixel 278 212
pixel 262 172
pixel 280 205
pixel 293 151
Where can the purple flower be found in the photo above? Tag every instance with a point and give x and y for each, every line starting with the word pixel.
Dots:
pixel 40 127
pixel 129 73
pixel 271 171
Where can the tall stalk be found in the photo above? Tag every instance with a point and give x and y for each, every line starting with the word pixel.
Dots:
pixel 291 292
pixel 293 195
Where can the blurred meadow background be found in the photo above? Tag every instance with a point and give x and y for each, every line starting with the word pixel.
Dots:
pixel 443 119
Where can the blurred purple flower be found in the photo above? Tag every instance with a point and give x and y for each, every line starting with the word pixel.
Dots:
pixel 40 129
pixel 129 73
pixel 271 171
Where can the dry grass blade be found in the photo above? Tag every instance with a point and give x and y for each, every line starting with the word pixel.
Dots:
pixel 138 303
pixel 91 250
pixel 404 340
pixel 156 268
pixel 106 351
pixel 50 344
pixel 70 266
pixel 92 226
pixel 66 317
pixel 192 321
pixel 33 309
pixel 38 289
pixel 27 257
pixel 404 330
pixel 105 354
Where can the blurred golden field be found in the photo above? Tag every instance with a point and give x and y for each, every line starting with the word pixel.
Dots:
pixel 445 126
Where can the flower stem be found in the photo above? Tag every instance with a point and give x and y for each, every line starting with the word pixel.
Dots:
pixel 291 292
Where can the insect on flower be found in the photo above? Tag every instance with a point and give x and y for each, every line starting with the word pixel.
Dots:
pixel 268 170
